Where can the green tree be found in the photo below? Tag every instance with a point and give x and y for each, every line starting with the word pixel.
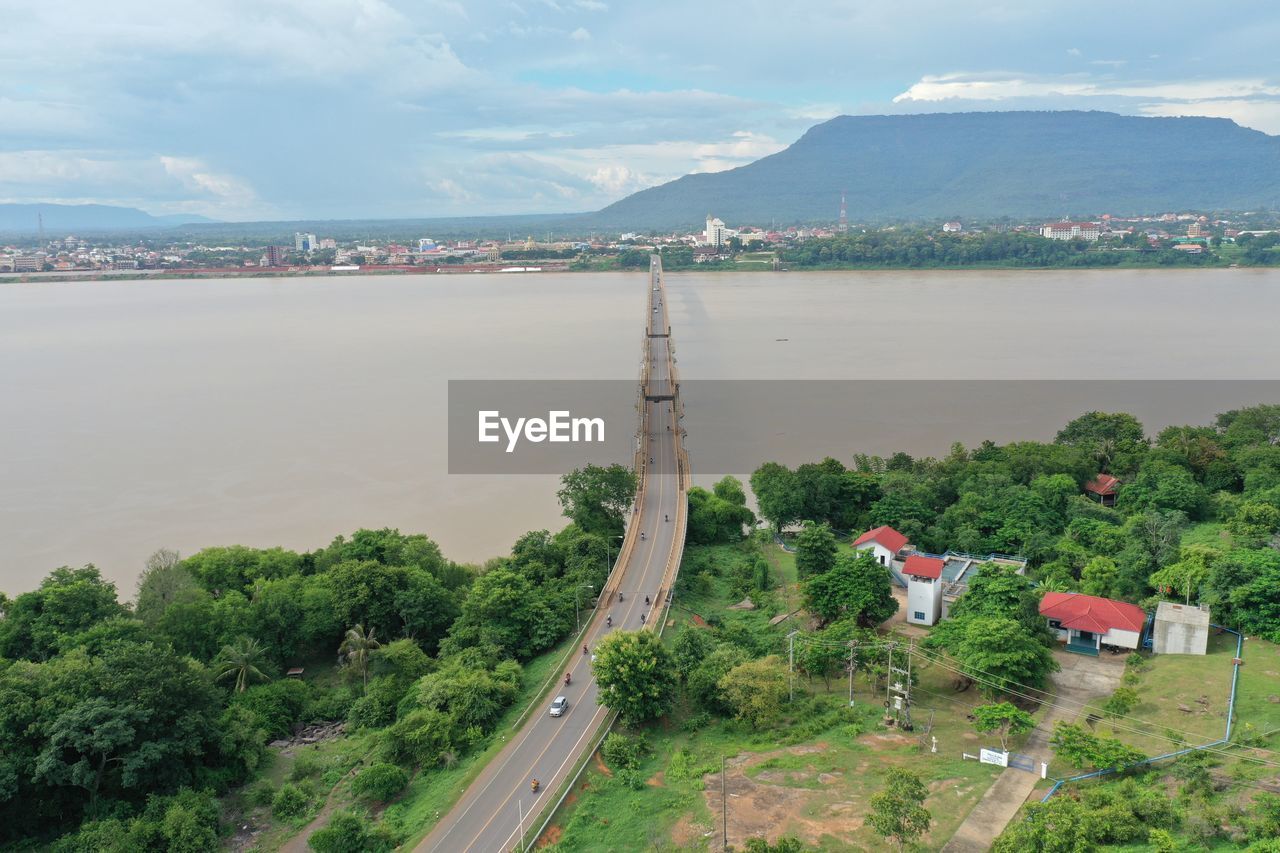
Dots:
pixel 163 581
pixel 597 498
pixel 1114 440
pixel 692 645
pixel 636 675
pixel 756 691
pixel 1120 703
pixel 241 661
pixel 1083 749
pixel 998 653
pixel 357 647
pixel 897 810
pixel 1006 719
pixel 1098 577
pixel 703 684
pixel 857 586
pixel 777 494
pixel 68 601
pixel 816 550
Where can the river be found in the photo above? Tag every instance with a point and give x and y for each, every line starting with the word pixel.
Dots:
pixel 146 414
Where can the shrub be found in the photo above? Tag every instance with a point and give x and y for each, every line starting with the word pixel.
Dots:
pixel 622 752
pixel 260 793
pixel 289 802
pixel 279 705
pixel 306 765
pixel 380 782
pixel 1135 661
pixel 348 832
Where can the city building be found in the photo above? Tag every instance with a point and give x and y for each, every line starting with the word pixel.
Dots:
pixel 426 244
pixel 1070 231
pixel 1086 623
pixel 1180 629
pixel 952 227
pixel 28 263
pixel 924 589
pixel 714 235
pixel 305 242
pixel 275 256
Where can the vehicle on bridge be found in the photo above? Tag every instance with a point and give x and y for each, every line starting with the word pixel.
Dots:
pixel 558 706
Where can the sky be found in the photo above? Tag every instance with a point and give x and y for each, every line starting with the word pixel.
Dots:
pixel 289 109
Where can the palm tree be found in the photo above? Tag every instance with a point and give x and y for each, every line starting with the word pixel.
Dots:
pixel 357 648
pixel 241 659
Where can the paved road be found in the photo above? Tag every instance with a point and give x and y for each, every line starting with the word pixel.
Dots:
pixel 488 815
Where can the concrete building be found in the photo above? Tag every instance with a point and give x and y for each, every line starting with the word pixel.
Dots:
pixel 924 589
pixel 1086 623
pixel 952 227
pixel 274 256
pixel 1071 231
pixel 884 542
pixel 714 235
pixel 305 242
pixel 28 263
pixel 1180 629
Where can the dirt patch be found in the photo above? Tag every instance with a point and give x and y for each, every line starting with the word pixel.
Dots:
pixel 601 767
pixel 551 836
pixel 686 833
pixel 888 741
pixel 657 780
pixel 698 620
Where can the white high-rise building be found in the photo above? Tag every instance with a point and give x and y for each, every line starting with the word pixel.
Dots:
pixel 715 233
pixel 305 242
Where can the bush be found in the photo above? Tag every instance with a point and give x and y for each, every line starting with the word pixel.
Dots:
pixel 380 782
pixel 289 802
pixel 622 752
pixel 1135 661
pixel 279 705
pixel 306 765
pixel 260 793
pixel 348 832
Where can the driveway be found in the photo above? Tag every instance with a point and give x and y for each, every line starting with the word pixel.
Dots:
pixel 1081 679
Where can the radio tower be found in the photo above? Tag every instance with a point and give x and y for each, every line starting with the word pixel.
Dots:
pixel 844 214
pixel 40 228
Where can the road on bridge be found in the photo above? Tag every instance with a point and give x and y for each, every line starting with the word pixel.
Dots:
pixel 493 811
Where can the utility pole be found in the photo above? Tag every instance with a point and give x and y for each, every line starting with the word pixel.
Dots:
pixel 791 664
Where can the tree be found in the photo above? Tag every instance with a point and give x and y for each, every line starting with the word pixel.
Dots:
pixel 857 586
pixel 241 660
pixel 1086 750
pixel 68 601
pixel 703 684
pixel 1005 718
pixel 816 550
pixel 357 647
pixel 636 675
pixel 756 690
pixel 597 498
pixel 1113 439
pixel 897 810
pixel 1098 577
pixel 163 581
pixel 997 652
pixel 692 645
pixel 1120 703
pixel 785 844
pixel 1184 578
pixel 777 494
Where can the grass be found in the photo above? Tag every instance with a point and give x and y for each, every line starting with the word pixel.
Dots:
pixel 811 775
pixel 1211 533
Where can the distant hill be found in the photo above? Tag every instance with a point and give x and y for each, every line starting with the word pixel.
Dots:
pixel 992 164
pixel 22 218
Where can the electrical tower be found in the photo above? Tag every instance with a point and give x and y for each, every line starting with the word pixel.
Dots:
pixel 844 214
pixel 40 228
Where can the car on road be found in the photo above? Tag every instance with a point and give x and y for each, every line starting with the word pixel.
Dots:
pixel 557 706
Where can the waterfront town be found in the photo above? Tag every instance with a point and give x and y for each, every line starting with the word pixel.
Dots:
pixel 1187 232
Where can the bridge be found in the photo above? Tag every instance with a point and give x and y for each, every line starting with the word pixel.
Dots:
pixel 499 812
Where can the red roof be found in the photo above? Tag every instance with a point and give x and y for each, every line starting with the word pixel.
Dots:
pixel 1091 613
pixel 883 535
pixel 1103 484
pixel 923 567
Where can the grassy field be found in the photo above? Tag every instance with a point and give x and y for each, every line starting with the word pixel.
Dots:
pixel 1210 533
pixel 811 776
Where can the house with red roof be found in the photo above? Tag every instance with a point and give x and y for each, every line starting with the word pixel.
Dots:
pixel 1086 623
pixel 924 588
pixel 883 541
pixel 1103 489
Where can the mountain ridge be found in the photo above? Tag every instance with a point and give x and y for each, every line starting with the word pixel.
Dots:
pixel 20 218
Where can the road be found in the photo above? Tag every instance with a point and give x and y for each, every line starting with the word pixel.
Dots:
pixel 491 812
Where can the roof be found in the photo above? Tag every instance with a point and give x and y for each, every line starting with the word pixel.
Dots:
pixel 923 567
pixel 1182 614
pixel 1091 613
pixel 885 536
pixel 1103 484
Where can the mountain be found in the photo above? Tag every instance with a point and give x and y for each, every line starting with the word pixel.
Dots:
pixel 993 164
pixel 22 218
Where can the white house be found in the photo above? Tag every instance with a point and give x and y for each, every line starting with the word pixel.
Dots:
pixel 1087 622
pixel 924 589
pixel 884 542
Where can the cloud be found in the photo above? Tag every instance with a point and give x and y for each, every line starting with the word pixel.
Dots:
pixel 1003 85
pixel 580 34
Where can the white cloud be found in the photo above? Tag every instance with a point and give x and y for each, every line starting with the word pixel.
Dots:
pixel 1259 115
pixel 1003 85
pixel 580 34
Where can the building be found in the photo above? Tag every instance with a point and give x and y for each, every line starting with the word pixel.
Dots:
pixel 1103 489
pixel 1071 231
pixel 884 542
pixel 275 256
pixel 952 227
pixel 1086 623
pixel 28 263
pixel 714 235
pixel 924 589
pixel 305 242
pixel 1195 229
pixel 1180 629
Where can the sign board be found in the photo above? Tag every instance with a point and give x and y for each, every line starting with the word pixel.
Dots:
pixel 994 756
